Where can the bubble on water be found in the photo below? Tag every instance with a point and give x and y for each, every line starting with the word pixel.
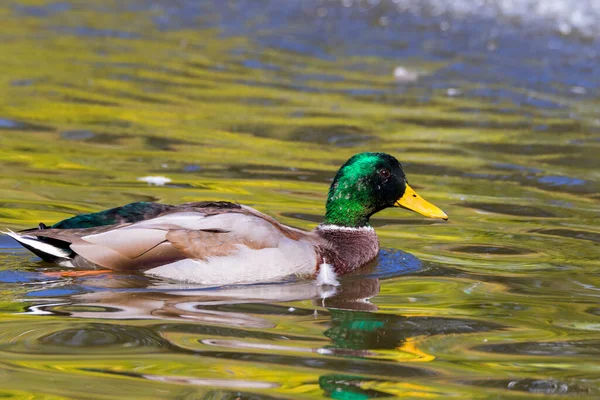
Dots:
pixel 402 74
pixel 155 180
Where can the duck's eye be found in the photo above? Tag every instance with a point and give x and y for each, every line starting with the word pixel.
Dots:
pixel 384 173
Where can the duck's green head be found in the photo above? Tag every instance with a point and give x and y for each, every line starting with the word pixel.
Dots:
pixel 368 183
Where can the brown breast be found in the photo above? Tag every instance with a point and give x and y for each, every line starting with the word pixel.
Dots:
pixel 346 248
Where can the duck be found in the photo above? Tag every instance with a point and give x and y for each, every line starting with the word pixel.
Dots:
pixel 223 243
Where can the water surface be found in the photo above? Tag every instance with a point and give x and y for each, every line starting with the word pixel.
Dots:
pixel 491 108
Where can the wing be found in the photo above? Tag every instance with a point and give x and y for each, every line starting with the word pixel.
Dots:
pixel 133 212
pixel 196 233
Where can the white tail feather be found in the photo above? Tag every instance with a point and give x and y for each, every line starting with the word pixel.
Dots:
pixel 34 242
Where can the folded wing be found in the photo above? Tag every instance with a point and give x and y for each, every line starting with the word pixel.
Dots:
pixel 191 234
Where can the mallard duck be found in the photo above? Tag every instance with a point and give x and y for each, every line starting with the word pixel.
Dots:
pixel 218 242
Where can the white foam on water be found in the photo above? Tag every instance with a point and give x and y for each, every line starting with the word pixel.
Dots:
pixel 564 16
pixel 155 180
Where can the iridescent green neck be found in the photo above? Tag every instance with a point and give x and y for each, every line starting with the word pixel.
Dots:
pixel 351 200
pixel 346 212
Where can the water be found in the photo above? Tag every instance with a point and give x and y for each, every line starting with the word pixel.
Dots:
pixel 490 106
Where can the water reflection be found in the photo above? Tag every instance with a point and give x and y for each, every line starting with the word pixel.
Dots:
pixel 539 386
pixel 349 386
pixel 163 300
pixel 337 329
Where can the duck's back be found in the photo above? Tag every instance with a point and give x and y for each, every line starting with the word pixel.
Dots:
pixel 132 212
pixel 207 242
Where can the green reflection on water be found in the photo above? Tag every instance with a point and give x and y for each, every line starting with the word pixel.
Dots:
pixel 513 273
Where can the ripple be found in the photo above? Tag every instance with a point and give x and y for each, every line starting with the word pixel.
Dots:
pixel 357 365
pixel 272 172
pixel 337 135
pixel 77 135
pixel 516 167
pixel 369 331
pixel 157 82
pixel 515 96
pixel 82 100
pixel 84 135
pixel 9 124
pixel 119 94
pixel 349 387
pixel 257 64
pixel 509 209
pixel 45 10
pixel 490 250
pixel 390 263
pixel 260 309
pixel 537 386
pixel 165 143
pixel 570 233
pixel 186 380
pixel 103 336
pixel 354 293
pixel 553 180
pixel 322 77
pixel 430 122
pixel 47 337
pixel 16 276
pixel 95 32
pixel 577 161
pixel 594 311
pixel 561 183
pixel 255 129
pixel 431 169
pixel 588 348
pixel 524 149
pixel 231 383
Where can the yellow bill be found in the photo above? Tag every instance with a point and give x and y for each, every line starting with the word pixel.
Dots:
pixel 412 201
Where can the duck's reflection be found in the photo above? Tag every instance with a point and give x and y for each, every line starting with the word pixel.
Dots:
pixel 132 297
